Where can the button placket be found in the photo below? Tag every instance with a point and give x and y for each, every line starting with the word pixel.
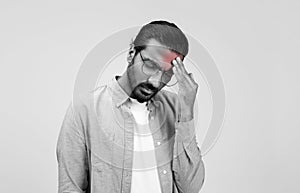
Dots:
pixel 128 145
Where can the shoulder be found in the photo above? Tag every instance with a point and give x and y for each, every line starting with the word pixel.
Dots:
pixel 84 102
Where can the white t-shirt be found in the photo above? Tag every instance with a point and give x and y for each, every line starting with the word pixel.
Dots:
pixel 145 178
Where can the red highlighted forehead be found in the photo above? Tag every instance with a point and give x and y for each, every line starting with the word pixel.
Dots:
pixel 168 58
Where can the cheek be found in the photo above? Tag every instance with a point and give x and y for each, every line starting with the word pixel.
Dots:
pixel 135 75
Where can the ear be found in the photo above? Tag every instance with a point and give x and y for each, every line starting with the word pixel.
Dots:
pixel 131 54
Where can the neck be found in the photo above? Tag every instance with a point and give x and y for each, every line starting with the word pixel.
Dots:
pixel 124 83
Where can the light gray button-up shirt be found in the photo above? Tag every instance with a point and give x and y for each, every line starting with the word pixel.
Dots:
pixel 95 144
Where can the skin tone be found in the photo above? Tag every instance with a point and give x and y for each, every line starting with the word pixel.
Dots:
pixel 143 87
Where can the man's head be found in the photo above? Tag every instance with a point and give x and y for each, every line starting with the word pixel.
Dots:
pixel 166 33
pixel 150 58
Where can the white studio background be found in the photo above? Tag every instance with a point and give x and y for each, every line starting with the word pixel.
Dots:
pixel 255 44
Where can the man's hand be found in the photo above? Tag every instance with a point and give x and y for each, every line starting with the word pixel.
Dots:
pixel 187 90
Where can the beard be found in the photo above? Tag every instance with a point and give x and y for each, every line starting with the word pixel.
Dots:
pixel 143 92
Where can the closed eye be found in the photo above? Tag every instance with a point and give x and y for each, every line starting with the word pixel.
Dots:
pixel 150 63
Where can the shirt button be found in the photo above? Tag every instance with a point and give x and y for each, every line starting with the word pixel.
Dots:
pixel 158 143
pixel 164 171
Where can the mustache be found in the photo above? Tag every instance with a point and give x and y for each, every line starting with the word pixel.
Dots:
pixel 148 86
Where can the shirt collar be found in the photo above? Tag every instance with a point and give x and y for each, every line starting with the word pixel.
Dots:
pixel 119 96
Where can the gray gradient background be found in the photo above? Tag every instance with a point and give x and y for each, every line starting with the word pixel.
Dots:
pixel 256 47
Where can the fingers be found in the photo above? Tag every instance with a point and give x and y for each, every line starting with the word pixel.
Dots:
pixel 177 70
pixel 177 62
pixel 181 74
pixel 179 67
pixel 180 71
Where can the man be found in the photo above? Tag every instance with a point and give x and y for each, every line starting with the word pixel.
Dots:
pixel 131 136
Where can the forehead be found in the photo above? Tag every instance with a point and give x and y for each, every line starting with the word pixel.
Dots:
pixel 156 51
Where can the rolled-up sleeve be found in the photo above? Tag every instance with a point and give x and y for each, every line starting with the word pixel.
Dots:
pixel 187 165
pixel 71 156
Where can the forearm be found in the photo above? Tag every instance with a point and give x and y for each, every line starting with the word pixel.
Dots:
pixel 187 164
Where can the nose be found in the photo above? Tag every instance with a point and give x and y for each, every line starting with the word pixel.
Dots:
pixel 155 79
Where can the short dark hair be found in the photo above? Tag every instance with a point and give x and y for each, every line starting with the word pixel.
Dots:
pixel 165 33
